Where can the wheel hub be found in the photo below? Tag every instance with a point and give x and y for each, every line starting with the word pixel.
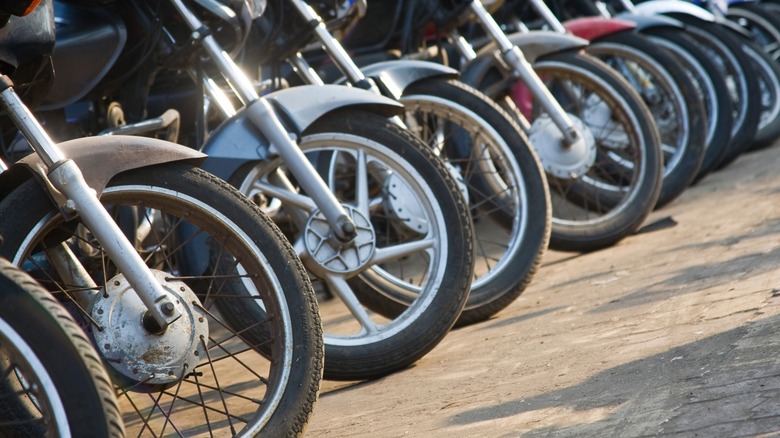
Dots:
pixel 559 159
pixel 336 256
pixel 137 354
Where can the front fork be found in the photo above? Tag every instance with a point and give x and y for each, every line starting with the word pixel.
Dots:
pixel 67 178
pixel 513 57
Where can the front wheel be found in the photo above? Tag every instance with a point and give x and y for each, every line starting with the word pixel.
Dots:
pixel 710 87
pixel 670 95
pixel 726 49
pixel 504 184
pixel 414 243
pixel 768 78
pixel 245 356
pixel 604 188
pixel 52 381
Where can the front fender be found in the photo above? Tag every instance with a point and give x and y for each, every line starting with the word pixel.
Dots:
pixel 592 28
pixel 393 77
pixel 539 43
pixel 533 45
pixel 100 159
pixel 237 140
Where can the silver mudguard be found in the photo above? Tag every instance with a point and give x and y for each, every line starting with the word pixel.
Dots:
pixel 395 76
pixel 533 45
pixel 539 43
pixel 237 140
pixel 100 159
pixel 665 7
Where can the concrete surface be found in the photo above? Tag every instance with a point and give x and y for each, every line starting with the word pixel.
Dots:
pixel 673 332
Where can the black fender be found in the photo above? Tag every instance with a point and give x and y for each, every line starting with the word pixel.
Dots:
pixel 100 159
pixel 237 140
pixel 533 45
pixel 393 77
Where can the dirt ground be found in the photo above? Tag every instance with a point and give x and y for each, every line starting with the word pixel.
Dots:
pixel 671 332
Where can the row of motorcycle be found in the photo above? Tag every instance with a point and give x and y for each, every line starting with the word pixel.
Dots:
pixel 227 201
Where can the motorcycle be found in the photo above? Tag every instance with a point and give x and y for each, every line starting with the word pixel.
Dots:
pixel 111 244
pixel 603 182
pixel 499 174
pixel 366 205
pixel 666 89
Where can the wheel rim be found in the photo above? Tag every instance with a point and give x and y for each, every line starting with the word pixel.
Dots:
pixel 611 185
pixel 488 164
pixel 219 283
pixel 663 99
pixel 36 394
pixel 356 169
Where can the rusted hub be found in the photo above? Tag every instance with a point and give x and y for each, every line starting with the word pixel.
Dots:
pixel 135 353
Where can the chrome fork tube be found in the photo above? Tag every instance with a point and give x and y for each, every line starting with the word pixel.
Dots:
pixel 66 177
pixel 547 15
pixel 515 59
pixel 264 117
pixel 335 50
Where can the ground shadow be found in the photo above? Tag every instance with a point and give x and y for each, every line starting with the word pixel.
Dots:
pixel 724 385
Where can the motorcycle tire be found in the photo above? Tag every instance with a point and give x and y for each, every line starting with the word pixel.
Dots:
pixel 768 78
pixel 415 239
pixel 670 95
pixel 737 68
pixel 610 199
pixel 710 86
pixel 504 183
pixel 47 363
pixel 226 264
pixel 761 19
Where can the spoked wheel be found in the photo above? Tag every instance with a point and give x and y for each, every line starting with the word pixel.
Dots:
pixel 710 87
pixel 245 356
pixel 763 21
pixel 503 183
pixel 604 187
pixel 52 381
pixel 413 244
pixel 768 78
pixel 670 94
pixel 726 50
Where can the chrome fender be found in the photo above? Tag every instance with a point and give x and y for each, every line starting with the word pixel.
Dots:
pixel 393 77
pixel 237 140
pixel 100 159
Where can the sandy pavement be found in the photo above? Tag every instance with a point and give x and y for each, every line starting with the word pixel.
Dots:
pixel 673 332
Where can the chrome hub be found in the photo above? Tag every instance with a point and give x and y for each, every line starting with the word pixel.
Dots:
pixel 333 255
pixel 558 158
